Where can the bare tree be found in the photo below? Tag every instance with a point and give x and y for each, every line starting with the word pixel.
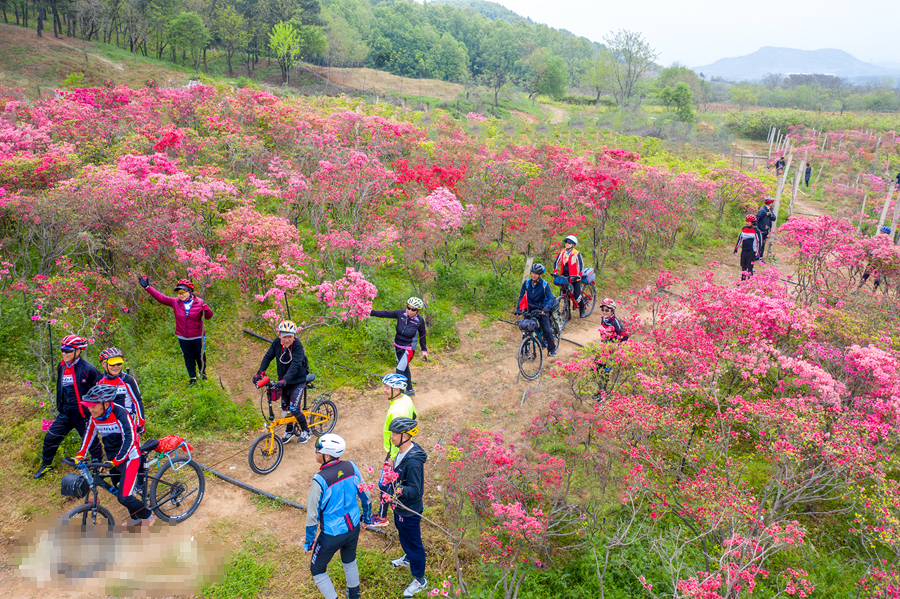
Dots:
pixel 633 58
pixel 772 80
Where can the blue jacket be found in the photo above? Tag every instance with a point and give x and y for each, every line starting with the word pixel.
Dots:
pixel 332 500
pixel 540 296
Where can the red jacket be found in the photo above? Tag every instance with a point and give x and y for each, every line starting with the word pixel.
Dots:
pixel 187 326
pixel 575 262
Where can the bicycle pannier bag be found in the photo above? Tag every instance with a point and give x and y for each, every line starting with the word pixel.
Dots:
pixel 528 325
pixel 74 485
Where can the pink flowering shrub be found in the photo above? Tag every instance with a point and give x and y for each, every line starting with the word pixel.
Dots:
pixel 347 298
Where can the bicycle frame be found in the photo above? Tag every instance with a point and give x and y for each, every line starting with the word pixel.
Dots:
pixel 312 418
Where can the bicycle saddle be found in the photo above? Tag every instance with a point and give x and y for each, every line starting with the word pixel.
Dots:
pixel 310 378
pixel 149 445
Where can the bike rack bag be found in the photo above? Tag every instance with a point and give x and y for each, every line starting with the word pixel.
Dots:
pixel 74 485
pixel 528 325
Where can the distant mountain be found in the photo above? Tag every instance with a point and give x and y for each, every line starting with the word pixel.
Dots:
pixel 769 59
pixel 491 10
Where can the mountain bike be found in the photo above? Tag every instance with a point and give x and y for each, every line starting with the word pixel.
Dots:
pixel 267 450
pixel 173 492
pixel 531 350
pixel 567 297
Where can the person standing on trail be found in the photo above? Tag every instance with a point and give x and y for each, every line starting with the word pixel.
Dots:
pixel 779 165
pixel 410 329
pixel 401 406
pixel 334 512
pixel 870 270
pixel 898 180
pixel 748 242
pixel 611 331
pixel 292 369
pixel 75 376
pixel 764 220
pixel 568 268
pixel 807 174
pixel 190 311
pixel 407 491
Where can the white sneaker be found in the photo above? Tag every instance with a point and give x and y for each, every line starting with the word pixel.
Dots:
pixel 304 436
pixel 287 437
pixel 400 562
pixel 415 587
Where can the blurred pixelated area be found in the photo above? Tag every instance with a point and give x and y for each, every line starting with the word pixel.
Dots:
pixel 156 561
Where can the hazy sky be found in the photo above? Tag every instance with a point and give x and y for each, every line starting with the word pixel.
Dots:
pixel 700 32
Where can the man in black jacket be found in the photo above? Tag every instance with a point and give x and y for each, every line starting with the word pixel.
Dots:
pixel 408 489
pixel 410 330
pixel 292 369
pixel 765 218
pixel 74 378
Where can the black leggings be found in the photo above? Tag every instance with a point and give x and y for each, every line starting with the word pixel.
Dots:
pixel 290 402
pixel 748 257
pixel 194 351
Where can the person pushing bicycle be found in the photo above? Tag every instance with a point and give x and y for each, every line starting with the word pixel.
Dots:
pixel 334 512
pixel 568 268
pixel 118 433
pixel 537 295
pixel 292 368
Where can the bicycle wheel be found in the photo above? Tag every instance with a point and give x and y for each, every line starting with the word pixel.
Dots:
pixel 565 312
pixel 265 454
pixel 84 553
pixel 323 416
pixel 589 298
pixel 554 326
pixel 530 357
pixel 176 494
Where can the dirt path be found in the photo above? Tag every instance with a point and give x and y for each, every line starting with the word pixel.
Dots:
pixel 557 114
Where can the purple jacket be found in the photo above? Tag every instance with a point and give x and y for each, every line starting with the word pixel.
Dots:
pixel 188 326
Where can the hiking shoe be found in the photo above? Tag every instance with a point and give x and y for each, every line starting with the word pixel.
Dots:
pixel 400 562
pixel 352 593
pixel 378 522
pixel 192 382
pixel 552 353
pixel 304 436
pixel 44 469
pixel 287 437
pixel 415 587
pixel 411 392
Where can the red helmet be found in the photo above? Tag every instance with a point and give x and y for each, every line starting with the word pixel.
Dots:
pixel 770 200
pixel 750 218
pixel 185 284
pixel 73 342
pixel 110 352
pixel 608 303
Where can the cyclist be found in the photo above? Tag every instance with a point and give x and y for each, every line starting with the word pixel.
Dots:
pixel 612 331
pixel 115 427
pixel 190 311
pixel 74 377
pixel 401 406
pixel 410 329
pixel 408 490
pixel 537 295
pixel 128 395
pixel 568 268
pixel 765 218
pixel 748 241
pixel 334 512
pixel 292 369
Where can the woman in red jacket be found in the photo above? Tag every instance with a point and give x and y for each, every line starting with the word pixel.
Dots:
pixel 190 311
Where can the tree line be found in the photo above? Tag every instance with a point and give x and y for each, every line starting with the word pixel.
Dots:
pixel 439 41
pixel 818 92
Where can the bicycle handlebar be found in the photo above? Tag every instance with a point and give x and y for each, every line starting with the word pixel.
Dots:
pixel 264 382
pixel 71 462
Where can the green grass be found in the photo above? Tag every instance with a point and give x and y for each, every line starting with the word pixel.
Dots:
pixel 246 578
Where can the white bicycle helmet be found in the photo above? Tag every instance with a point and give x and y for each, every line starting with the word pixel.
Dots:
pixel 571 239
pixel 331 444
pixel 287 327
pixel 415 302
pixel 395 381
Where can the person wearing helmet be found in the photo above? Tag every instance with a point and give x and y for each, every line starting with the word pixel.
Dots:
pixel 568 268
pixel 401 406
pixel 748 242
pixel 74 378
pixel 292 369
pixel 190 311
pixel 408 489
pixel 410 330
pixel 115 427
pixel 128 393
pixel 334 512
pixel 537 295
pixel 765 218
pixel 611 331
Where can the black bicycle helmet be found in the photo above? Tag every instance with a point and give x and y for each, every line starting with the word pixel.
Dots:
pixel 538 268
pixel 404 425
pixel 100 393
